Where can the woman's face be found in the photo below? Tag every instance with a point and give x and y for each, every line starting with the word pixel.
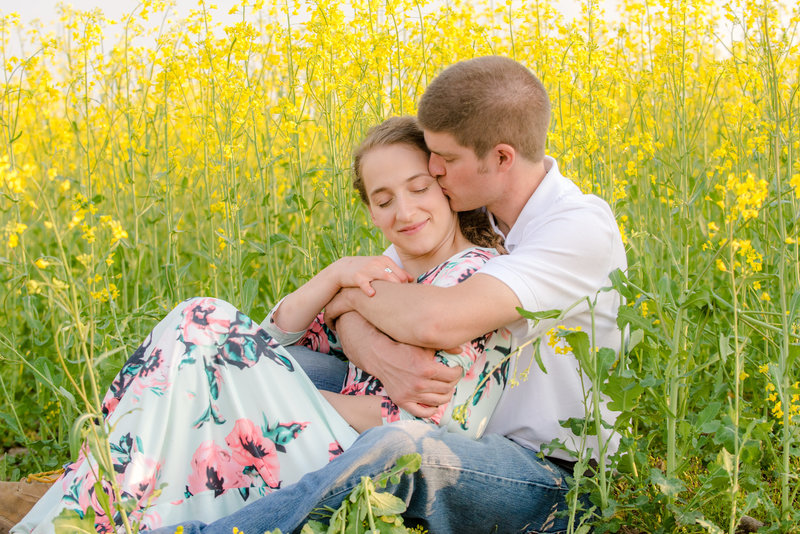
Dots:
pixel 405 201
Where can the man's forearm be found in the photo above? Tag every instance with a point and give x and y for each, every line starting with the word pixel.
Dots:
pixel 412 376
pixel 431 316
pixel 359 339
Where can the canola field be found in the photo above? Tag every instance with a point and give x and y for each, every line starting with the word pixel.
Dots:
pixel 155 158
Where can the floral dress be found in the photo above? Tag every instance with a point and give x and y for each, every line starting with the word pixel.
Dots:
pixel 483 360
pixel 211 412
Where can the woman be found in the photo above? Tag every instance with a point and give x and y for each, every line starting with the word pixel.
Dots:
pixel 212 412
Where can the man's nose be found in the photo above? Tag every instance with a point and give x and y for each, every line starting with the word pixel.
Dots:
pixel 436 166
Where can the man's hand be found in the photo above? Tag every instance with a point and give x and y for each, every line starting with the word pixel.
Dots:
pixel 413 378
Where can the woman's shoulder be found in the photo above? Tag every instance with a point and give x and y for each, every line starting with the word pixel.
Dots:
pixel 458 267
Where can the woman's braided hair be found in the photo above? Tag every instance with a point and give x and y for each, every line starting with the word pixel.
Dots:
pixel 406 131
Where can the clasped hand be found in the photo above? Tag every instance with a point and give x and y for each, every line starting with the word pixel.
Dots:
pixel 414 379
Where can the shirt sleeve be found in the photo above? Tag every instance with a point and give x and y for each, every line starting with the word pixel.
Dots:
pixel 317 337
pixel 558 262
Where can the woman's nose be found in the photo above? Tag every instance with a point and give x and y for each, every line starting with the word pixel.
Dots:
pixel 405 208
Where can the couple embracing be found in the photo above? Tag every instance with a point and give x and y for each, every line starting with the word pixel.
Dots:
pixel 220 422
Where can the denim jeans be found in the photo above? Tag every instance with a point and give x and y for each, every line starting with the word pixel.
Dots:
pixel 326 371
pixel 486 485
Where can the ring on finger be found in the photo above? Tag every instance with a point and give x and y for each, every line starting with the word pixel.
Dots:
pixel 388 270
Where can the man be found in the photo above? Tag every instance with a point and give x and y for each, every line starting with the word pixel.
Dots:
pixel 485 121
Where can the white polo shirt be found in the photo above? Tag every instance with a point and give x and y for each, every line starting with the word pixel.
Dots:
pixel 562 247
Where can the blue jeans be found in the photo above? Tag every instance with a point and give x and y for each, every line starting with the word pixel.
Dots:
pixel 486 485
pixel 326 371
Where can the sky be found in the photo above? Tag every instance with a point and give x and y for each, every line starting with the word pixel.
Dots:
pixel 114 9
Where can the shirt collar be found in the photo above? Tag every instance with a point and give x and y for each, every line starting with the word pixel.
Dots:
pixel 542 197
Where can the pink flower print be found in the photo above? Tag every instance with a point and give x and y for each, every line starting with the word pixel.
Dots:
pixel 478 364
pixel 87 500
pixel 316 338
pixel 214 469
pixel 389 411
pixel 110 405
pixel 251 448
pixel 356 388
pixel 334 450
pixel 140 477
pixel 202 326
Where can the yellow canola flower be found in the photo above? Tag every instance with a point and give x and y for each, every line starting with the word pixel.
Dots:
pixel 117 232
pixel 106 294
pixel 795 183
pixel 33 287
pixel 58 284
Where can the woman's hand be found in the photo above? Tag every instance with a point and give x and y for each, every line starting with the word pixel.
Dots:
pixel 360 271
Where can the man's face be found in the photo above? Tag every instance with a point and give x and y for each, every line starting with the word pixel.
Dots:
pixel 464 178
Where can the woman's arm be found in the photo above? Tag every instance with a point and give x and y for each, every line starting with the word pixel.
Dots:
pixel 299 308
pixel 360 411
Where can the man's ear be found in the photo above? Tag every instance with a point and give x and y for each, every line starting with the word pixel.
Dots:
pixel 505 155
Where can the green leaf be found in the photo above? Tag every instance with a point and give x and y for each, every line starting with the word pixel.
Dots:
pixel 706 416
pixel 668 486
pixel 624 393
pixel 386 504
pixel 605 360
pixel 576 426
pixel 314 527
pixel 540 315
pixel 410 463
pixel 620 282
pixel 650 382
pixel 249 293
pixel 68 521
pixel 794 305
pixel 537 355
pixel 629 316
pixel 794 352
pixel 724 347
pixel 710 527
pixel 76 434
pixel 102 497
pixel 579 342
pixel 697 299
pixel 634 339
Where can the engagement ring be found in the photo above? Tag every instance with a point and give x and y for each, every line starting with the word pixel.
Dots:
pixel 388 270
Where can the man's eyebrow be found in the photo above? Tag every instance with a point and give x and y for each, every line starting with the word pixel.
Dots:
pixel 410 178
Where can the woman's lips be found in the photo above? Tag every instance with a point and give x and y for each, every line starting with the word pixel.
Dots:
pixel 413 229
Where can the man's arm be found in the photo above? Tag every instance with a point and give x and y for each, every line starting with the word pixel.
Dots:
pixel 432 316
pixel 413 378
